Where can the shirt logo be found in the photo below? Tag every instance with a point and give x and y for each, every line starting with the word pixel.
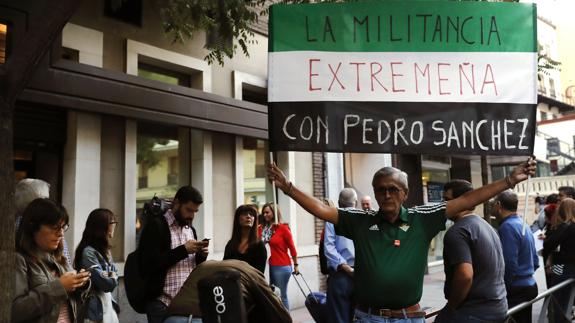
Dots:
pixel 374 228
pixel 404 227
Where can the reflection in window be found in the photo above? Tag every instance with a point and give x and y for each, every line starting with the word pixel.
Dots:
pixel 157 166
pixel 3 42
pixel 165 75
pixel 255 183
pixel 433 180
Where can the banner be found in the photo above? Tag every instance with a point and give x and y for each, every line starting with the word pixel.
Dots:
pixel 403 77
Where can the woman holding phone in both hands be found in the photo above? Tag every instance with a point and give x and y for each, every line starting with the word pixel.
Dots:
pixel 46 288
pixel 93 254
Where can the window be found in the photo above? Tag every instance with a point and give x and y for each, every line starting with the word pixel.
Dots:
pixel 255 183
pixel 552 88
pixel 3 42
pixel 158 162
pixel 71 54
pixel 156 73
pixel 543 115
pixel 129 11
pixel 254 94
pixel 143 59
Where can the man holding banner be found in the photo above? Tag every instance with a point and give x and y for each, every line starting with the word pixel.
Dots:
pixel 415 77
pixel 391 244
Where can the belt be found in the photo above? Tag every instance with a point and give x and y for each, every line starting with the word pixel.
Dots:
pixel 413 311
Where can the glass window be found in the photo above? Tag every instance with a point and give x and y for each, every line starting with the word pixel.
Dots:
pixel 255 183
pixel 156 73
pixel 3 42
pixel 129 11
pixel 433 180
pixel 158 164
pixel 71 54
pixel 552 88
pixel 254 94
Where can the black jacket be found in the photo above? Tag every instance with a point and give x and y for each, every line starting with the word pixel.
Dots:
pixel 157 256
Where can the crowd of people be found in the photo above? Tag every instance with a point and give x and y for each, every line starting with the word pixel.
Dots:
pixel 53 287
pixel 376 259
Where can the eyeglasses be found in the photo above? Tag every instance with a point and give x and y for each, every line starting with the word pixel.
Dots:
pixel 392 190
pixel 57 228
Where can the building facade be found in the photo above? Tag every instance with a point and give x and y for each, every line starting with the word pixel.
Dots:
pixel 117 113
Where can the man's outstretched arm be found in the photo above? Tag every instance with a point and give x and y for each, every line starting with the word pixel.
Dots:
pixel 470 199
pixel 308 202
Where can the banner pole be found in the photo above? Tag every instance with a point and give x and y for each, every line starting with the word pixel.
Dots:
pixel 274 191
pixel 527 186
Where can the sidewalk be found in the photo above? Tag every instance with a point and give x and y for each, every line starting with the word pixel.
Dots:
pixel 433 294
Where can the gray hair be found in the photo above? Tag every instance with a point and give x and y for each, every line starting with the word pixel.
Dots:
pixel 397 174
pixel 347 197
pixel 27 190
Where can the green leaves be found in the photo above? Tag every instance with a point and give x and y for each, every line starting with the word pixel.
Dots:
pixel 223 20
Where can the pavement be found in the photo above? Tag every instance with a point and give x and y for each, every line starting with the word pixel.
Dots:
pixel 433 294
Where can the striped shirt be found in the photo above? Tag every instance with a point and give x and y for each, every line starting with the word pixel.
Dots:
pixel 64 315
pixel 177 275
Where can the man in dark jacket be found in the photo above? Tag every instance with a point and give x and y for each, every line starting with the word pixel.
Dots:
pixel 170 251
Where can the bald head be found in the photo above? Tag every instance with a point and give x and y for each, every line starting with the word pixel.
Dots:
pixel 366 203
pixel 347 198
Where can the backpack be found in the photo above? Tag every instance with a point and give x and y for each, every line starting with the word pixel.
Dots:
pixel 322 258
pixel 156 207
pixel 136 281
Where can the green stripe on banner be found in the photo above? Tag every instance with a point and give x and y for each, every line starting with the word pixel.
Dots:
pixel 406 26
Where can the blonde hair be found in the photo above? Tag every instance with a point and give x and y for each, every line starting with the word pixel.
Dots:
pixel 27 190
pixel 566 210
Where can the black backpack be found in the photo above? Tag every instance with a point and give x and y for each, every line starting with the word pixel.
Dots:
pixel 136 280
pixel 322 258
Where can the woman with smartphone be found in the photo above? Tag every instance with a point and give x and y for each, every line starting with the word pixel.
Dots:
pixel 46 288
pixel 278 236
pixel 244 244
pixel 93 254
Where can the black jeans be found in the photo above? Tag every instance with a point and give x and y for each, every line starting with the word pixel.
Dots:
pixel 519 294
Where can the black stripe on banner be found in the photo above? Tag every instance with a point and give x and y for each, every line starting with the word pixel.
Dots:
pixel 403 127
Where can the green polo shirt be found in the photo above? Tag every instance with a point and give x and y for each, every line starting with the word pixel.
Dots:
pixel 387 275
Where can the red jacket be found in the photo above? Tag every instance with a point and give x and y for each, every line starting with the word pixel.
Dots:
pixel 280 242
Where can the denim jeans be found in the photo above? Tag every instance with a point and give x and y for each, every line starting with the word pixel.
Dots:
pixel 447 316
pixel 339 297
pixel 279 276
pixel 156 311
pixel 363 317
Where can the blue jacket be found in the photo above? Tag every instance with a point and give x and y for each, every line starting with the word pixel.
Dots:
pixel 99 268
pixel 521 259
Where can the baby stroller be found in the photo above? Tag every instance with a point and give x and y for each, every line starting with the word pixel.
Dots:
pixel 315 302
